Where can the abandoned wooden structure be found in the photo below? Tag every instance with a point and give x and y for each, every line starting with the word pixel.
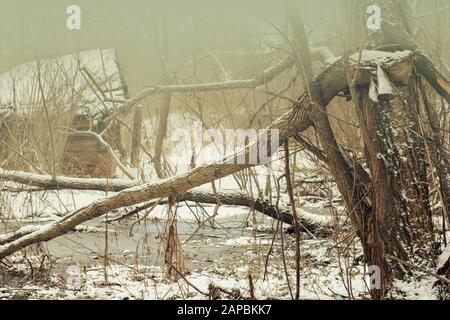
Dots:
pixel 71 94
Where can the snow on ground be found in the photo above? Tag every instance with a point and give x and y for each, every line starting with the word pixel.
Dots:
pixel 245 240
pixel 120 281
pixel 321 278
pixel 417 290
pixel 223 256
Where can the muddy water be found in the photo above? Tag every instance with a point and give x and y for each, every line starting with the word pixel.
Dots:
pixel 230 238
pixel 221 249
pixel 201 246
pixel 145 245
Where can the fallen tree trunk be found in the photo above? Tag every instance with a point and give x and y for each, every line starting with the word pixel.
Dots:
pixel 309 222
pixel 59 183
pixel 283 213
pixel 233 198
pixel 11 236
pixel 331 81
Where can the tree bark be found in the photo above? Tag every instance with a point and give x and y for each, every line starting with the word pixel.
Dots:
pixel 438 154
pixel 136 136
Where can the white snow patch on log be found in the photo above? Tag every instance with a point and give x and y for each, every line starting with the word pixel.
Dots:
pixel 315 218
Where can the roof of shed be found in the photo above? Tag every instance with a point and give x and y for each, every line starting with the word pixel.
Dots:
pixel 84 82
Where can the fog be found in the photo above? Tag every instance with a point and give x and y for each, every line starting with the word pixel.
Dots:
pixel 236 149
pixel 31 29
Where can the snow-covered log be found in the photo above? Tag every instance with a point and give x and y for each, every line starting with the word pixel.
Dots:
pixel 227 197
pixel 59 183
pixel 11 236
pixel 308 222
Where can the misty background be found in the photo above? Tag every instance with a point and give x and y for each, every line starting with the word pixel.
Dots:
pixel 137 29
pixel 182 30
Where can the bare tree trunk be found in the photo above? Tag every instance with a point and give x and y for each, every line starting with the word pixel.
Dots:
pixel 385 230
pixel 399 174
pixel 165 104
pixel 136 138
pixel 161 135
pixel 438 154
pixel 353 191
pixel 414 179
